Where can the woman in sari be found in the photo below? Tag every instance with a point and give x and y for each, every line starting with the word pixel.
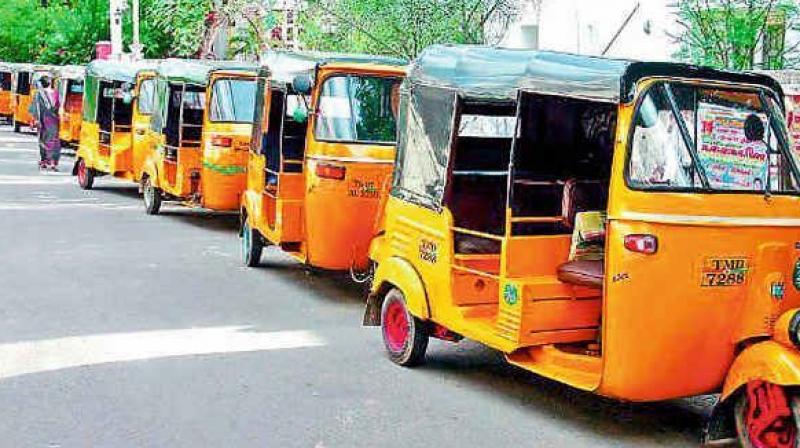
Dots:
pixel 44 110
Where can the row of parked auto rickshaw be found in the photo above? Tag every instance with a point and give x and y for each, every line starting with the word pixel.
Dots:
pixel 630 229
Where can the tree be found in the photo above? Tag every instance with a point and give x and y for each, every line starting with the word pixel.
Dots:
pixel 735 34
pixel 403 27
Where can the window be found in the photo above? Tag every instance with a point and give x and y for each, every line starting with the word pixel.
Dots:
pixel 694 137
pixel 233 100
pixel 147 92
pixel 5 81
pixel 24 83
pixel 358 109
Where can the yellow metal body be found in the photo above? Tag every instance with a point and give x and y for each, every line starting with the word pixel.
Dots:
pixel 6 102
pixel 326 223
pixel 203 175
pixel 661 335
pixel 117 152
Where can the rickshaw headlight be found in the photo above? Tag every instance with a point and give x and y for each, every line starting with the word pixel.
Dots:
pixel 787 328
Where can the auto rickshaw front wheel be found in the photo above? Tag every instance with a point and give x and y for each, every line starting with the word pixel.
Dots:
pixel 405 336
pixel 85 175
pixel 151 196
pixel 767 416
pixel 252 245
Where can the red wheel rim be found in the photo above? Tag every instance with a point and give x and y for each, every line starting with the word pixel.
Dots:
pixel 82 172
pixel 768 419
pixel 395 326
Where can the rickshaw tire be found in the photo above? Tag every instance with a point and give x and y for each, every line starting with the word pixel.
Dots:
pixel 739 411
pixel 153 206
pixel 416 343
pixel 87 180
pixel 251 253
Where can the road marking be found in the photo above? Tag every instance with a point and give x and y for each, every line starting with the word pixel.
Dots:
pixel 51 206
pixel 32 139
pixel 38 179
pixel 17 149
pixel 24 358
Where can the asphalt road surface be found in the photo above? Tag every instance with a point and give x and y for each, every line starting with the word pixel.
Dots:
pixel 120 329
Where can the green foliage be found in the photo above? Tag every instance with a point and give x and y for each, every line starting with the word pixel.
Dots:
pixel 183 21
pixel 402 27
pixel 729 34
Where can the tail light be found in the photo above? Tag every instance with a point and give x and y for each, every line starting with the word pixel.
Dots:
pixel 225 142
pixel 643 244
pixel 328 171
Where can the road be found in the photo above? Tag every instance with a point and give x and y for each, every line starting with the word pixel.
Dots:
pixel 120 329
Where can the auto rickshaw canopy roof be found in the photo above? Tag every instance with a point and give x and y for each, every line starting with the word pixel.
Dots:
pixel 76 72
pixel 117 70
pixel 284 65
pixel 199 71
pixel 495 73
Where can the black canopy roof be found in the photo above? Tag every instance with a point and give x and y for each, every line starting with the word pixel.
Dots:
pixel 493 73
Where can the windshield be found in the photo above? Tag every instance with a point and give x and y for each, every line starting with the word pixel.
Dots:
pixel 690 137
pixel 359 109
pixel 147 93
pixel 233 100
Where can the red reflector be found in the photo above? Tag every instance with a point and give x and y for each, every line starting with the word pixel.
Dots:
pixel 328 171
pixel 643 244
pixel 225 142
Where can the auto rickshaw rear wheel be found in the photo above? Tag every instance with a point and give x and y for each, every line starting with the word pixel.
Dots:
pixel 405 336
pixel 85 175
pixel 151 196
pixel 252 245
pixel 767 416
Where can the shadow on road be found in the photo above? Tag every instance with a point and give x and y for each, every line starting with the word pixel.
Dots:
pixel 128 191
pixel 644 423
pixel 215 222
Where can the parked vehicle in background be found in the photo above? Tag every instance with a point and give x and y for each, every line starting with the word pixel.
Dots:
pixel 69 85
pixel 26 78
pixel 321 157
pixel 6 93
pixel 200 133
pixel 630 229
pixel 117 104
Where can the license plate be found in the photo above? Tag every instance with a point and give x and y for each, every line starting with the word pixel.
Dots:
pixel 731 271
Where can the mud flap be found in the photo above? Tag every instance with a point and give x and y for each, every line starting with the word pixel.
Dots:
pixel 720 428
pixel 372 312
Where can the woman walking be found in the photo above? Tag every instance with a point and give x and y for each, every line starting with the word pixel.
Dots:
pixel 44 110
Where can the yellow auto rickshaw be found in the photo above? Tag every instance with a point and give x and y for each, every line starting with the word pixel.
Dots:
pixel 321 157
pixel 26 79
pixel 200 134
pixel 117 103
pixel 69 85
pixel 6 93
pixel 630 229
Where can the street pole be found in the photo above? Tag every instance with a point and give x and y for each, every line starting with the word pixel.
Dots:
pixel 115 9
pixel 136 46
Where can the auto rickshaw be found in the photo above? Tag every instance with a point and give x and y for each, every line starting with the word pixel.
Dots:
pixel 321 158
pixel 200 134
pixel 117 104
pixel 69 85
pixel 6 94
pixel 630 229
pixel 26 79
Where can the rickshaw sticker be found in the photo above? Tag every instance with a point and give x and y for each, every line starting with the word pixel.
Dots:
pixel 796 275
pixel 718 272
pixel 428 251
pixel 510 294
pixel 777 290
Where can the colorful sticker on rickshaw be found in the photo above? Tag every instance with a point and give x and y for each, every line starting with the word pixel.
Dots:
pixel 796 275
pixel 510 294
pixel 793 120
pixel 728 159
pixel 724 272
